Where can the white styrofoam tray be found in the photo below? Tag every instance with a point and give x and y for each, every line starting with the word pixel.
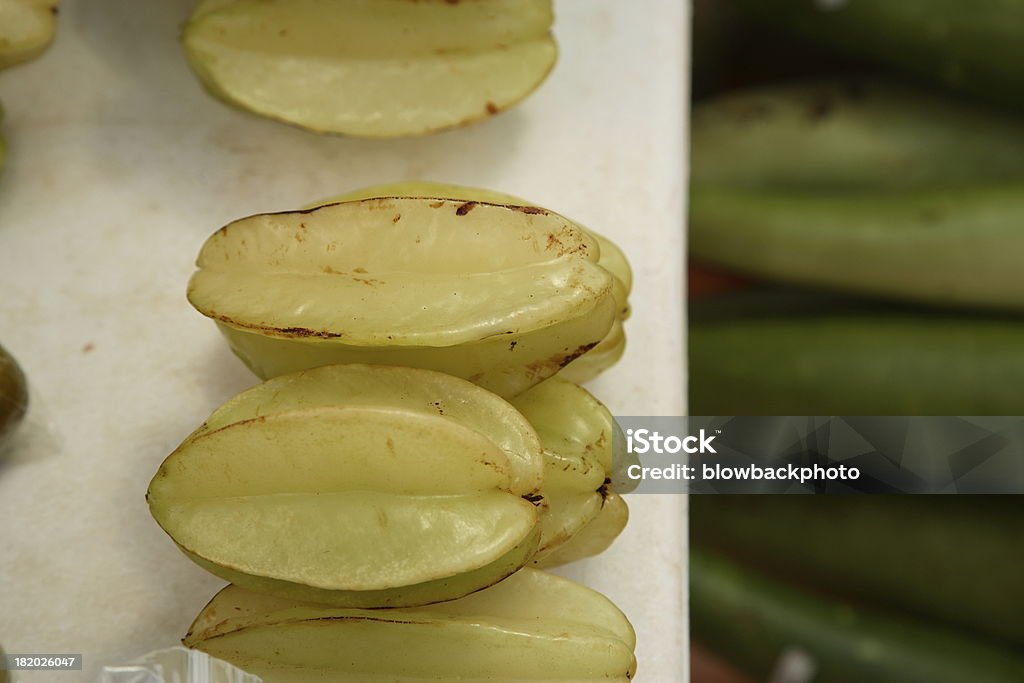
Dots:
pixel 119 166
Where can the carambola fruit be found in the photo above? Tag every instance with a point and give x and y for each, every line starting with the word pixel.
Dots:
pixel 502 295
pixel 533 627
pixel 371 486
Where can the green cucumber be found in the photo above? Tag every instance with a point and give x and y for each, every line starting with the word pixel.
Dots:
pixel 949 559
pixel 956 247
pixel 751 621
pixel 974 47
pixel 872 190
pixel 857 363
pixel 847 136
pixel 760 301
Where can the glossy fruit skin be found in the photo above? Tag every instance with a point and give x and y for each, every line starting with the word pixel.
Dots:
pixel 358 486
pixel 599 358
pixel 533 626
pixel 582 516
pixel 502 295
pixel 374 486
pixel 594 538
pixel 13 395
pixel 375 69
pixel 507 365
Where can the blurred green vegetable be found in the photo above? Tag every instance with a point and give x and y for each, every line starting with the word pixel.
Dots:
pixel 845 135
pixel 949 559
pixel 733 50
pixel 873 189
pixel 752 621
pixel 824 358
pixel 972 47
pixel 13 395
pixel 955 248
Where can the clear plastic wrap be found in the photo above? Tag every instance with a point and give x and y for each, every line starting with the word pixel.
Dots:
pixel 176 665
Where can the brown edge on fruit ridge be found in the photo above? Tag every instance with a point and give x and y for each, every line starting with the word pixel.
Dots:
pixel 532 541
pixel 461 207
pixel 270 330
pixel 194 637
pixel 580 350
